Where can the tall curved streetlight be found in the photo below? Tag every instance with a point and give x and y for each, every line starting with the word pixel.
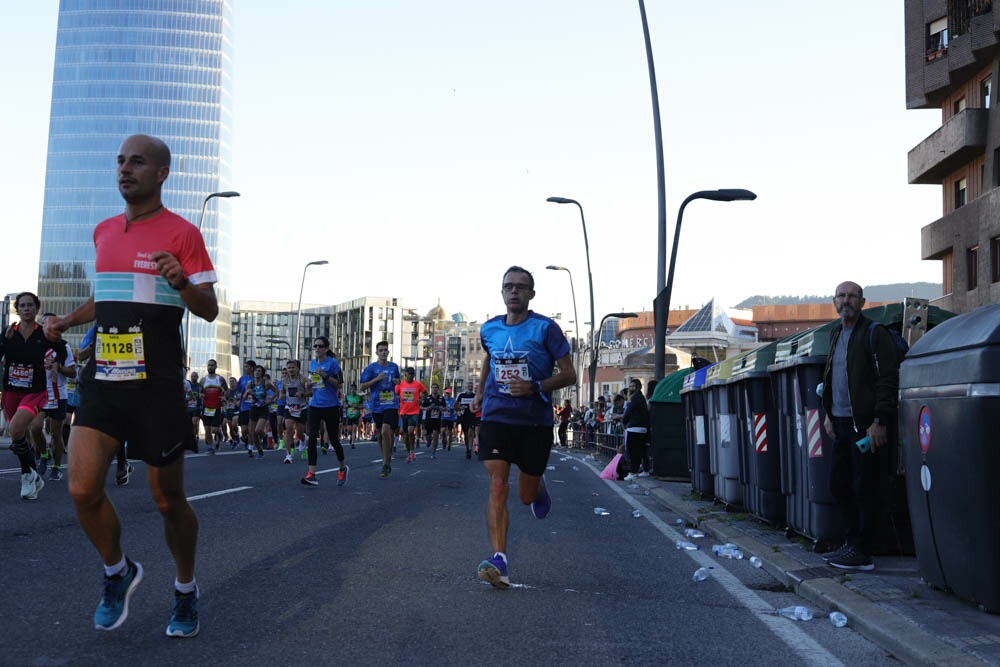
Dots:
pixel 590 276
pixel 576 322
pixel 661 307
pixel 593 361
pixel 201 219
pixel 298 311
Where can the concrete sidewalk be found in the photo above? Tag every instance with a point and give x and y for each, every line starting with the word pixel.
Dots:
pixel 891 606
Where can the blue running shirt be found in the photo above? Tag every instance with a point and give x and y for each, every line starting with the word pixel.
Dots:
pixel 383 394
pixel 323 395
pixel 527 351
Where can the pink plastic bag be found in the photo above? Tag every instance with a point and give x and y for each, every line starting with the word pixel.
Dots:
pixel 611 471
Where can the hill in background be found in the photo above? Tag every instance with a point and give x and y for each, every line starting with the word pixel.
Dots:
pixel 894 292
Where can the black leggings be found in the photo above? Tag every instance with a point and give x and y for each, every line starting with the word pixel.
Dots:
pixel 331 417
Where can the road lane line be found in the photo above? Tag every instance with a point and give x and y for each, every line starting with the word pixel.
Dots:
pixel 787 631
pixel 218 493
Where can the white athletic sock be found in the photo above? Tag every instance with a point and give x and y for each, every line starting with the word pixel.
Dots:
pixel 116 569
pixel 189 587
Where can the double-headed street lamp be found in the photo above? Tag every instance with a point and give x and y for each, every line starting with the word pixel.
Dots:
pixel 201 220
pixel 590 276
pixel 661 307
pixel 576 321
pixel 298 312
pixel 593 360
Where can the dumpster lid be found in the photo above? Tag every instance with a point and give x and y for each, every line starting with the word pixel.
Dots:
pixel 755 361
pixel 979 328
pixel 668 390
pixel 696 380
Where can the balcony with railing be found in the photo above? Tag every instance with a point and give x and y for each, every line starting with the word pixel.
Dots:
pixel 961 13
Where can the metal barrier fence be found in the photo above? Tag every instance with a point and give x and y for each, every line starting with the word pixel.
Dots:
pixel 602 445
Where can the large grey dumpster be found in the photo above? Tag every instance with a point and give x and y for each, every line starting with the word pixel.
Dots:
pixel 696 431
pixel 949 402
pixel 721 404
pixel 760 456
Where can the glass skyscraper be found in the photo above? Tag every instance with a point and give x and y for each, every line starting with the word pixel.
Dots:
pixel 122 67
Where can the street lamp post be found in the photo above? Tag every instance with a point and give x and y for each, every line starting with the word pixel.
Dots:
pixel 661 307
pixel 590 276
pixel 298 311
pixel 576 322
pixel 187 315
pixel 593 360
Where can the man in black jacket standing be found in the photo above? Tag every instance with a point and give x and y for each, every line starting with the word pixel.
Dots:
pixel 635 421
pixel 860 387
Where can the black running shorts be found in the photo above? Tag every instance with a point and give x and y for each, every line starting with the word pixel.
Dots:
pixel 527 447
pixel 152 419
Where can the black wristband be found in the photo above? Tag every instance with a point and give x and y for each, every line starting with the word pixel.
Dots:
pixel 184 283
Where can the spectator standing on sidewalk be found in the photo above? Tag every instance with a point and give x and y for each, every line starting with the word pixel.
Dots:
pixel 522 348
pixel 565 412
pixel 635 420
pixel 860 389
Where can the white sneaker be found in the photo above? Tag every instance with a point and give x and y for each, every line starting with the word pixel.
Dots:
pixel 643 474
pixel 31 484
pixel 288 458
pixel 629 477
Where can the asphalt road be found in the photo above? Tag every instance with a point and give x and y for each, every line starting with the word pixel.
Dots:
pixel 384 572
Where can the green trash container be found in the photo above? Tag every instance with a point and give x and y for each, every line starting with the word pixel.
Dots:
pixel 666 416
pixel 760 454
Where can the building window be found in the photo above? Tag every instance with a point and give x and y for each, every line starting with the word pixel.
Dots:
pixel 959 105
pixel 937 37
pixel 995 259
pixel 986 91
pixel 961 191
pixel 972 267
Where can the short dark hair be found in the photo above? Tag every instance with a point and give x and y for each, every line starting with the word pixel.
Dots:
pixel 518 269
pixel 382 342
pixel 34 297
pixel 250 362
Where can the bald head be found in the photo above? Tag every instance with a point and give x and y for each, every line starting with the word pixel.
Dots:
pixel 143 166
pixel 153 147
pixel 849 299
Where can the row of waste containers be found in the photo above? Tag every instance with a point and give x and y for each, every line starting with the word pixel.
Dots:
pixel 748 431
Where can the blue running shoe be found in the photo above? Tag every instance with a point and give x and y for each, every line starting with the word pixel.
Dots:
pixel 184 620
pixel 493 570
pixel 113 608
pixel 541 505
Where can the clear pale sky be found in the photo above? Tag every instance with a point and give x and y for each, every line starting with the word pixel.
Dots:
pixel 413 146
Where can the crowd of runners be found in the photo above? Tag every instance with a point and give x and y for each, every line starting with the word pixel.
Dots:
pixel 260 414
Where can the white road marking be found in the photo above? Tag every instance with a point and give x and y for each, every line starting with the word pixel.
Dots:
pixel 219 493
pixel 787 631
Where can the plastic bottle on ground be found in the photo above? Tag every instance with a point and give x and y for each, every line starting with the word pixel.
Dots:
pixel 684 544
pixel 756 561
pixel 693 532
pixel 701 574
pixel 600 511
pixel 636 514
pixel 796 613
pixel 838 619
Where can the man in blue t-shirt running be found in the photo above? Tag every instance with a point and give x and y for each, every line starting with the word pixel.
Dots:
pixel 381 378
pixel 514 388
